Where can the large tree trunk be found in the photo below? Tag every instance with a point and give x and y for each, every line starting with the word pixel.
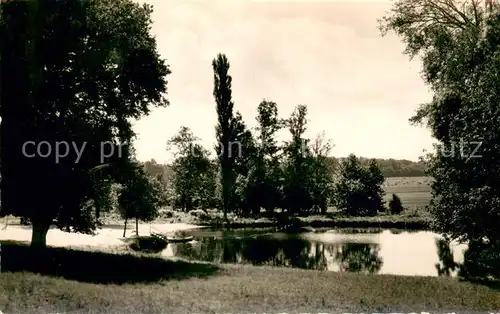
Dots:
pixel 125 228
pixel 136 226
pixel 39 233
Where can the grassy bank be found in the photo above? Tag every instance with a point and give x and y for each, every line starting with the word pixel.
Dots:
pixel 411 220
pixel 384 222
pixel 415 220
pixel 96 282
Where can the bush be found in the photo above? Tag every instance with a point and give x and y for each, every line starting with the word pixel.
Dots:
pixel 200 214
pixel 395 205
pixel 149 244
pixel 358 191
pixel 167 214
pixel 288 223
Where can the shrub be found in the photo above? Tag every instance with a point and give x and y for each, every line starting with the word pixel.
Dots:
pixel 395 205
pixel 288 223
pixel 150 244
pixel 358 191
pixel 168 214
pixel 200 214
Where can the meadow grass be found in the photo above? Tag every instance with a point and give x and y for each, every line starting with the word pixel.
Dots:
pixel 82 281
pixel 414 192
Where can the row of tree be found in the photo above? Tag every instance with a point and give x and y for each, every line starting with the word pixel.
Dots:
pixel 254 172
pixel 269 176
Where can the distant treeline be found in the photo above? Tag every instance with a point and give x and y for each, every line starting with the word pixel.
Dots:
pixel 390 167
pixel 396 167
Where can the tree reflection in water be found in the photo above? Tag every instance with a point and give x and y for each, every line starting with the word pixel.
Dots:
pixel 481 260
pixel 289 252
pixel 359 257
pixel 446 263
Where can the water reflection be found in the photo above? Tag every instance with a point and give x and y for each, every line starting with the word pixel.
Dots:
pixel 480 261
pixel 280 250
pixel 446 265
pixel 407 253
pixel 357 257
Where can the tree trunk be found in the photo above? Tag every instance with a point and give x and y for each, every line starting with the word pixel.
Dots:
pixel 136 226
pixel 225 197
pixel 97 209
pixel 125 228
pixel 39 234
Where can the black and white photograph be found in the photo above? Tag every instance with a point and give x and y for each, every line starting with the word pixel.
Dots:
pixel 250 156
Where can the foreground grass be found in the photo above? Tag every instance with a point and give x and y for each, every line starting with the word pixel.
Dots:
pixel 133 283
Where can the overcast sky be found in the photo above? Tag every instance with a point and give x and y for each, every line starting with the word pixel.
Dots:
pixel 358 86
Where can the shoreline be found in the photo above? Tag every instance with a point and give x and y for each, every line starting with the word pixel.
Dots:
pixel 377 222
pixel 109 236
pixel 182 221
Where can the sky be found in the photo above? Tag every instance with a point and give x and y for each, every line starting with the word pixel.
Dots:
pixel 359 87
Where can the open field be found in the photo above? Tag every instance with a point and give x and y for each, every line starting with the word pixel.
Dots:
pixel 415 192
pixel 80 281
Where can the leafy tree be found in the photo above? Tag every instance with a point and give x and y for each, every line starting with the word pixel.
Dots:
pixel 375 179
pixel 359 190
pixel 296 194
pixel 265 185
pixel 78 71
pixel 395 205
pixel 459 47
pixel 224 129
pixel 159 171
pixel 194 172
pixel 243 152
pixel 207 194
pixel 321 172
pixel 140 197
pixel 308 171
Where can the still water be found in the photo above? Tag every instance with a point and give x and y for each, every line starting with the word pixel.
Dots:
pixel 400 253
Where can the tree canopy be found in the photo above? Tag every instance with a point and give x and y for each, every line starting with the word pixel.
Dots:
pixel 79 71
pixel 459 46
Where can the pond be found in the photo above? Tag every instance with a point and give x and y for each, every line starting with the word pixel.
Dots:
pixel 419 253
